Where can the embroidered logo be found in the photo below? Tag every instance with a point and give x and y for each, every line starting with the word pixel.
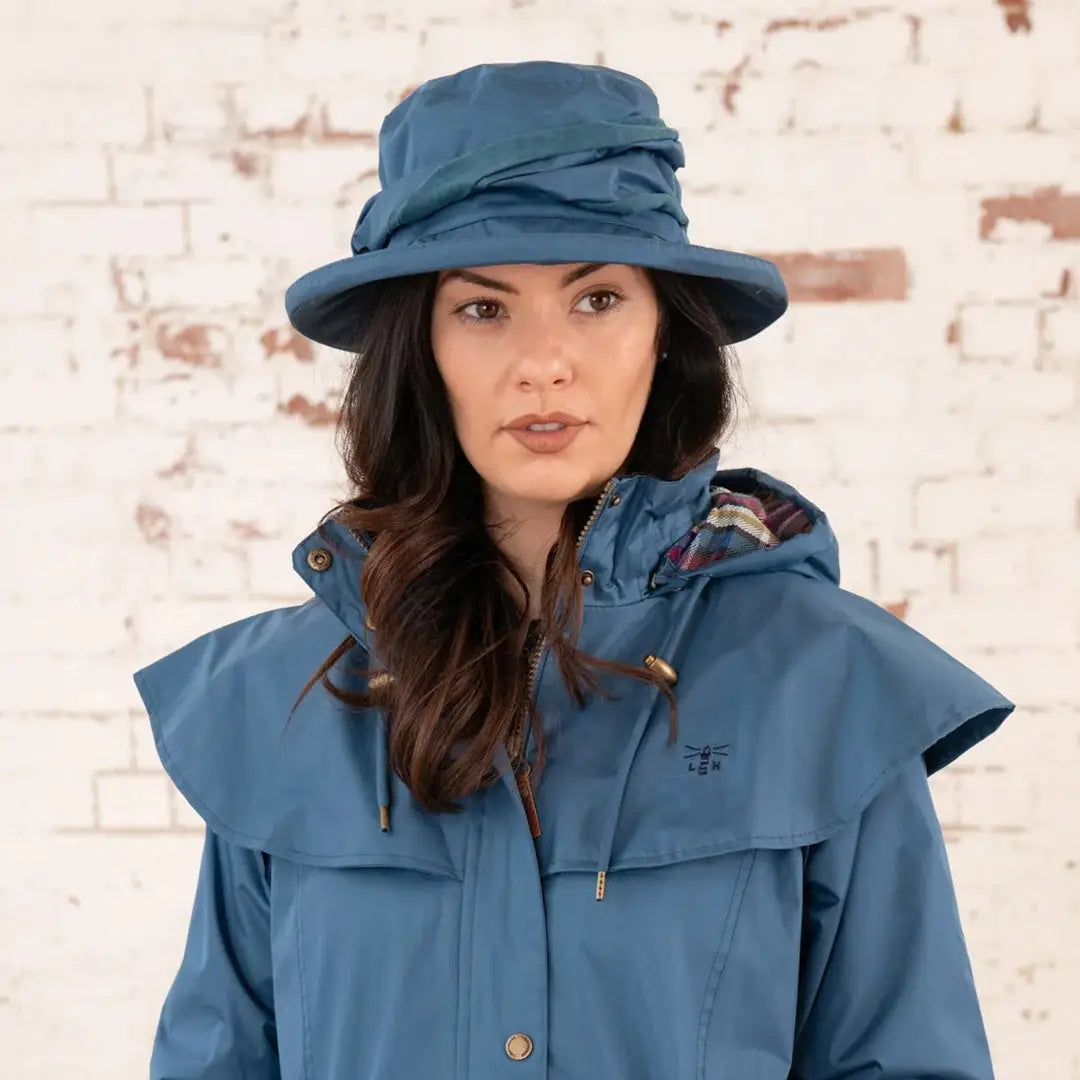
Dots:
pixel 705 759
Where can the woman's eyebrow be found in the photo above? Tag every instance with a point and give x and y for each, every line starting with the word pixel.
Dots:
pixel 502 286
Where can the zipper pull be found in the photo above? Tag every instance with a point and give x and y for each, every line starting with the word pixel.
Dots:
pixel 524 786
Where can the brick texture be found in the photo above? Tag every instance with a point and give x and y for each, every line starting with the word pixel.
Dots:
pixel 169 167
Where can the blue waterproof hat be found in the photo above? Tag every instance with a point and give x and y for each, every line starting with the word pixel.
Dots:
pixel 533 162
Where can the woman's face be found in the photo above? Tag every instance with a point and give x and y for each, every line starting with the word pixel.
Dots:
pixel 534 338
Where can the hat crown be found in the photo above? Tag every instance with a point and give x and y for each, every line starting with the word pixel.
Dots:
pixel 534 139
pixel 487 104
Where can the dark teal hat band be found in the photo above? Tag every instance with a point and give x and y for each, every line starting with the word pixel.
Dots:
pixel 576 176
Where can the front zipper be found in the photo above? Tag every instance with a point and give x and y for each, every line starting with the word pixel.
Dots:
pixel 522 768
pixel 516 743
pixel 361 539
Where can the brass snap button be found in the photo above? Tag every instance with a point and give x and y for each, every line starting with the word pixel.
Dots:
pixel 319 559
pixel 519 1046
pixel 616 499
pixel 587 578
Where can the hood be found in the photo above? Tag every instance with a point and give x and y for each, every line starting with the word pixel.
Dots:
pixel 646 536
pixel 759 520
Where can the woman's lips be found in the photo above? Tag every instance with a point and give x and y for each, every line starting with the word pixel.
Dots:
pixel 546 442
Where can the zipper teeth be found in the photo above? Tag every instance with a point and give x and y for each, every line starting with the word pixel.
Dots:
pixel 595 511
pixel 538 649
pixel 517 737
pixel 534 664
pixel 359 538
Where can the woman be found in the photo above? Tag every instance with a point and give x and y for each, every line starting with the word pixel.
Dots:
pixel 477 850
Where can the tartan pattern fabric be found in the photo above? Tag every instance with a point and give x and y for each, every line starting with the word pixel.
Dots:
pixel 738 523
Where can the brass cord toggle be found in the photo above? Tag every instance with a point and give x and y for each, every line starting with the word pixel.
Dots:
pixel 662 667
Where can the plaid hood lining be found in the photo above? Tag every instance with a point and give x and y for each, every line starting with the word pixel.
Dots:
pixel 739 523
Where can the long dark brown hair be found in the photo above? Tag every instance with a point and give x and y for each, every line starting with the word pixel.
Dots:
pixel 448 631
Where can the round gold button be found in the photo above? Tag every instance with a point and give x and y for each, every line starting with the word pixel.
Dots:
pixel 519 1046
pixel 616 499
pixel 319 559
pixel 587 577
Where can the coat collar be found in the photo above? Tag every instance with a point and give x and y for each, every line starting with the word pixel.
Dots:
pixel 638 519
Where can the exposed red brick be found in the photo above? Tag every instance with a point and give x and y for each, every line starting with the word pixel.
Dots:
pixel 914 52
pixel 286 340
pixel 733 83
pixel 315 414
pixel 831 22
pixel 1047 205
pixel 899 609
pixel 871 274
pixel 1017 15
pixel 955 123
pixel 952 333
pixel 329 133
pixel 245 164
pixel 183 464
pixel 190 345
pixel 153 523
pixel 247 530
pixel 723 25
pixel 129 286
pixel 130 351
pixel 300 127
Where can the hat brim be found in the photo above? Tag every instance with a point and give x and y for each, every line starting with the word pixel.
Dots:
pixel 328 304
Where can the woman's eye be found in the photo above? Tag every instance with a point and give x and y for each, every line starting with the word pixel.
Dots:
pixel 615 299
pixel 488 304
pixel 492 306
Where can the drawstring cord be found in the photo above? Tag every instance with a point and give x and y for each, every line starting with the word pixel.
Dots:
pixel 382 739
pixel 382 772
pixel 636 737
pixel 382 757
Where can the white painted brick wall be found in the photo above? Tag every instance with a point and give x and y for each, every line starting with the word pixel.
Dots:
pixel 167 168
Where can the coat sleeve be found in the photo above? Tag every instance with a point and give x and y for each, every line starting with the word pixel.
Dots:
pixel 217 1021
pixel 886 987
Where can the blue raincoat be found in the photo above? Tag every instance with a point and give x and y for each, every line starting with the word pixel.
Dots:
pixel 767 898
